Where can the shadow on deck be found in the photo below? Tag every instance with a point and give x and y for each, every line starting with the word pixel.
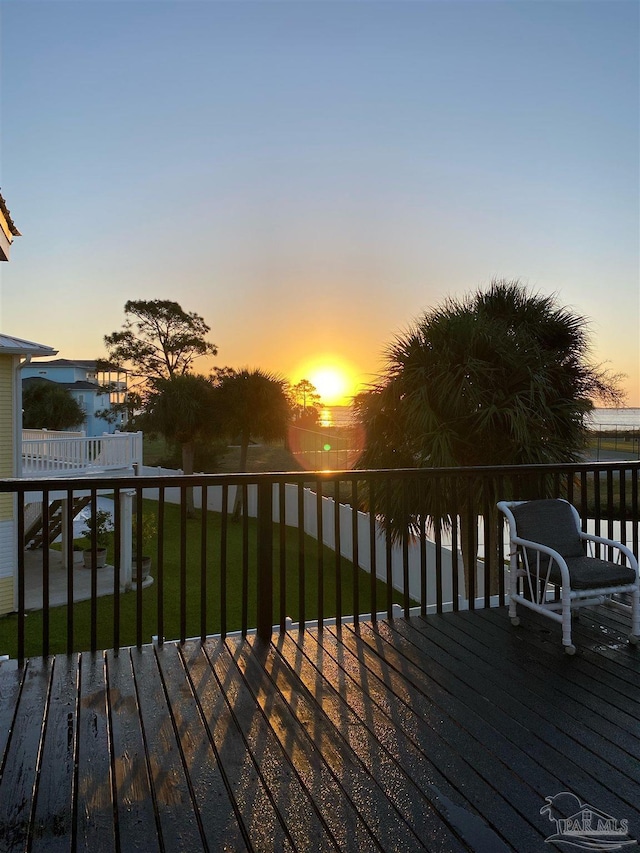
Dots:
pixel 445 733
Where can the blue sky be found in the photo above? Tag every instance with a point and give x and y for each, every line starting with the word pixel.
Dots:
pixel 311 176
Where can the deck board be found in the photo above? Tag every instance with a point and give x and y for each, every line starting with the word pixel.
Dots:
pixel 52 819
pixel 443 733
pixel 94 815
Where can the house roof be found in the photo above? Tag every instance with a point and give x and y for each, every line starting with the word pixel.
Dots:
pixel 70 386
pixel 71 362
pixel 4 210
pixel 17 346
pixel 83 364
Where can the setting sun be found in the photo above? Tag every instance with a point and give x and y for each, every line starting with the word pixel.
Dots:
pixel 334 380
pixel 330 383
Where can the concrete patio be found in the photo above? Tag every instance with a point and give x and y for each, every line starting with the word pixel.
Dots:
pixel 58 582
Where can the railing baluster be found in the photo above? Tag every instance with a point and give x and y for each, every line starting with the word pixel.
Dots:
pixel 301 557
pixel 355 557
pixel 471 559
pixel 423 549
pixel 94 573
pixel 204 516
pixel 45 573
pixel 265 560
pixel 139 610
pixel 183 563
pixel 610 508
pixel 224 522
pixel 336 548
pixel 597 508
pixel 282 541
pixel 70 569
pixel 635 525
pixel 500 544
pixel 456 520
pixel 116 569
pixel 245 560
pixel 320 553
pixel 388 543
pixel 622 500
pixel 160 566
pixel 488 514
pixel 21 579
pixel 405 547
pixel 373 557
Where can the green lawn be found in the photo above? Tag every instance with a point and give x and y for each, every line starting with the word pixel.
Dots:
pixel 172 595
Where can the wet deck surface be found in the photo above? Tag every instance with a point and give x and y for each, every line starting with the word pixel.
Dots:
pixel 445 733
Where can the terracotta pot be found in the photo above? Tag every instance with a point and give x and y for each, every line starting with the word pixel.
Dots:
pixel 146 568
pixel 101 558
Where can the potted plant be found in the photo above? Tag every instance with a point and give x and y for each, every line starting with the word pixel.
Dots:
pixel 147 533
pixel 97 527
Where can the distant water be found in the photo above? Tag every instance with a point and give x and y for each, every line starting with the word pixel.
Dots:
pixel 612 418
pixel 335 416
pixel 599 418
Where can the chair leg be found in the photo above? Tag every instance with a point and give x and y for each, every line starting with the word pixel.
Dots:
pixel 513 589
pixel 569 648
pixel 634 637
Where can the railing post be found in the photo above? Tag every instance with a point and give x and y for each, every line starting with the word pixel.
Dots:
pixel 265 560
pixel 126 538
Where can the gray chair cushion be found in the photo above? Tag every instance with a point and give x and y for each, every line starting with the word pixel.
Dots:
pixel 550 523
pixel 591 573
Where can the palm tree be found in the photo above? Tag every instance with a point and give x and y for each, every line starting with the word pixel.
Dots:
pixel 499 377
pixel 253 405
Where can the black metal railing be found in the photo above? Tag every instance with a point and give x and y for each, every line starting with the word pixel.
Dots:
pixel 292 548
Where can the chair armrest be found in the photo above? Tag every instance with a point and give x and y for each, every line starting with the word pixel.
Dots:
pixel 544 549
pixel 611 543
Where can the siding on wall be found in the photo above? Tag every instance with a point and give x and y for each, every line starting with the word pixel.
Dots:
pixel 7 527
pixel 6 416
pixel 7 437
pixel 6 595
pixel 7 549
pixel 7 560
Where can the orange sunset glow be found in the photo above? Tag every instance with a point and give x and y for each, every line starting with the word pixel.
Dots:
pixel 334 379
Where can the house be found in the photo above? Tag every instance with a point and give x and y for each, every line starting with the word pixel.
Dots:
pixel 25 453
pixel 97 389
pixel 14 352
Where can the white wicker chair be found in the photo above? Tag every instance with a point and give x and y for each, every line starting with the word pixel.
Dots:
pixel 548 550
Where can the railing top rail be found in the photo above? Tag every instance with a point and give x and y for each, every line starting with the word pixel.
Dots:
pixel 185 480
pixel 60 438
pixel 33 434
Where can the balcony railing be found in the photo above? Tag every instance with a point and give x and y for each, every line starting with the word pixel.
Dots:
pixel 304 547
pixel 48 453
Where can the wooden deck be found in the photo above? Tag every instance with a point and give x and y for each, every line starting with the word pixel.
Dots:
pixel 445 733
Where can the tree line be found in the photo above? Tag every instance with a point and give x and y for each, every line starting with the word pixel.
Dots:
pixel 501 376
pixel 159 345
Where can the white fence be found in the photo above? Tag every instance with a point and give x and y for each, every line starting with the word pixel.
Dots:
pixel 310 516
pixel 47 453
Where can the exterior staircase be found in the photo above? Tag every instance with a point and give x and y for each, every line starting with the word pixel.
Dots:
pixel 35 536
